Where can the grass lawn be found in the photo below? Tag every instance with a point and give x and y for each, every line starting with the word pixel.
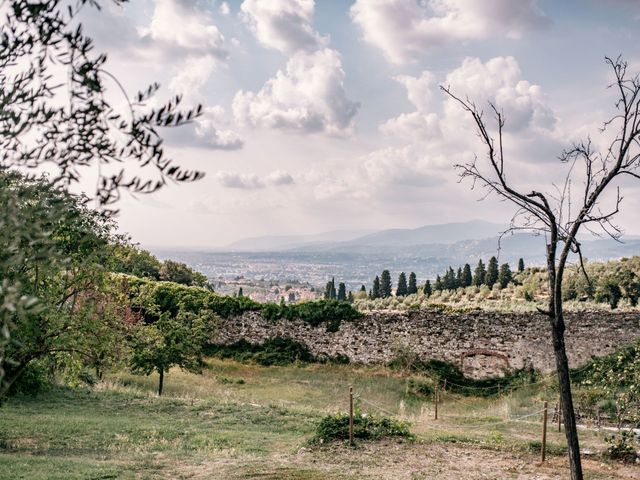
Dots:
pixel 247 421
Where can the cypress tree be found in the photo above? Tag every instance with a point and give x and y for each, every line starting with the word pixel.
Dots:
pixel 350 297
pixel 385 284
pixel 449 282
pixel 504 276
pixel 479 274
pixel 459 278
pixel 427 288
pixel 333 289
pixel 363 289
pixel 446 280
pixel 521 265
pixel 375 292
pixel 342 292
pixel 438 284
pixel 327 291
pixel 413 285
pixel 492 272
pixel 466 276
pixel 401 291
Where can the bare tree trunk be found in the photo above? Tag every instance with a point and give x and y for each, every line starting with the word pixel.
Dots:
pixel 564 382
pixel 160 381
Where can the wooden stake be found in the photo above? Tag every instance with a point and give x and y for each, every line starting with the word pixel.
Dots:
pixel 544 432
pixel 435 398
pixel 351 416
pixel 559 414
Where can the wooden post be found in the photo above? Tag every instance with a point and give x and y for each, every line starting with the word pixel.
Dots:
pixel 351 416
pixel 435 398
pixel 559 414
pixel 544 432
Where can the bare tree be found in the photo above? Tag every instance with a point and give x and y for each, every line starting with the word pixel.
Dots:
pixel 562 214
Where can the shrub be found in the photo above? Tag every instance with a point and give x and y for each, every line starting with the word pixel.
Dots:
pixel 621 447
pixel 275 351
pixel 419 388
pixel 365 427
pixel 33 381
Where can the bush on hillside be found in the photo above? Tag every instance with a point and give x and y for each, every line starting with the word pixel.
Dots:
pixel 365 427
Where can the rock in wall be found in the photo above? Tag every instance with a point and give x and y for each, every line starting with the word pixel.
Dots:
pixel 480 343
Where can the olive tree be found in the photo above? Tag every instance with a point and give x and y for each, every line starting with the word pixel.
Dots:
pixel 562 216
pixel 58 116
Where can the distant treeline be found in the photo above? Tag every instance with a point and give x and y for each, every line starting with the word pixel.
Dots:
pixel 452 279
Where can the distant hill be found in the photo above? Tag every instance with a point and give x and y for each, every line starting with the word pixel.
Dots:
pixel 447 233
pixel 287 242
pixel 448 243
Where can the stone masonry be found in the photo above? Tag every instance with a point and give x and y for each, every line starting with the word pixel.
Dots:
pixel 480 343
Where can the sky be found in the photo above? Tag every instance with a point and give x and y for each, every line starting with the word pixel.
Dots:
pixel 327 115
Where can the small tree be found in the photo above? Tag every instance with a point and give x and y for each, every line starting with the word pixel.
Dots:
pixel 560 217
pixel 342 292
pixel 492 272
pixel 479 274
pixel 385 284
pixel 438 283
pixel 427 289
pixel 375 290
pixel 168 342
pixel 413 284
pixel 521 265
pixel 330 290
pixel 467 279
pixel 240 292
pixel 504 276
pixel 401 290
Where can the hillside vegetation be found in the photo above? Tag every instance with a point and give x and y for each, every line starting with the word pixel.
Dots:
pixel 607 285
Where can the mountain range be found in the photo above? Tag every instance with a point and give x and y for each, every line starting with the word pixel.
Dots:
pixel 454 243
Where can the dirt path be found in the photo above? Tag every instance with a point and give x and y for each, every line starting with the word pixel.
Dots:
pixel 403 461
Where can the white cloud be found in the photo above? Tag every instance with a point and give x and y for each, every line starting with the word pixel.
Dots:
pixel 500 81
pixel 404 29
pixel 284 25
pixel 248 181
pixel 403 167
pixel 185 25
pixel 209 131
pixel 308 96
pixel 279 177
pixel 192 76
pixel 251 181
pixel 224 8
pixel 421 124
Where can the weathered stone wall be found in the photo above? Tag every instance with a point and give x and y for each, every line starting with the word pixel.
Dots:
pixel 481 343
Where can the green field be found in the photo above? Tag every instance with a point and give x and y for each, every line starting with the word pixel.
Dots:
pixel 247 421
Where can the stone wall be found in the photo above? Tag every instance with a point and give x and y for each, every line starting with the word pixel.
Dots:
pixel 481 343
